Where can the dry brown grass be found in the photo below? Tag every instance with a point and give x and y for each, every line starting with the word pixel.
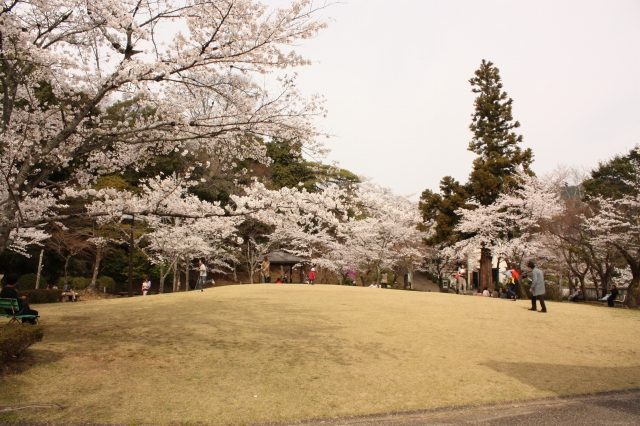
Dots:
pixel 259 353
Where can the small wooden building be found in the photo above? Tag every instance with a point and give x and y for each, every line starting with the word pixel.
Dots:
pixel 284 260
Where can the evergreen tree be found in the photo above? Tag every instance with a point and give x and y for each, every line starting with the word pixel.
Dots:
pixel 289 169
pixel 440 208
pixel 494 140
pixel 614 178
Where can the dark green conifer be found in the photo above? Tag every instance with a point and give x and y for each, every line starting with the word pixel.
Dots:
pixel 440 208
pixel 495 142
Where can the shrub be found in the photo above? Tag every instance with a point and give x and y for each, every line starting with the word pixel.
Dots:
pixel 77 283
pixel 44 296
pixel 107 282
pixel 15 338
pixel 27 281
pixel 552 292
pixel 348 281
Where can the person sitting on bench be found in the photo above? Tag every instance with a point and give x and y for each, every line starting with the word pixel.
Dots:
pixel 577 295
pixel 9 292
pixel 611 300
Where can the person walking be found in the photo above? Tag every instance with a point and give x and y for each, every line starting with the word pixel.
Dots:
pixel 537 287
pixel 611 300
pixel 265 268
pixel 202 278
pixel 312 276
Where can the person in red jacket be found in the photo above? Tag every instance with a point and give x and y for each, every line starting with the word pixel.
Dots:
pixel 312 276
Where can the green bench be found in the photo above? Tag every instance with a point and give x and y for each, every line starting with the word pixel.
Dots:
pixel 12 304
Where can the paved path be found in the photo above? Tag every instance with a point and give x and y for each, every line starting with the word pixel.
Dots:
pixel 611 408
pixel 422 283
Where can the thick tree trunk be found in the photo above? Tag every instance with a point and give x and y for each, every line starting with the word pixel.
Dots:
pixel 175 277
pixel 486 263
pixel 632 292
pixel 186 276
pixel 162 277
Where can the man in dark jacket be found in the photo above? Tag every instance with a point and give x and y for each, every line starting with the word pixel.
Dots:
pixel 9 292
pixel 611 300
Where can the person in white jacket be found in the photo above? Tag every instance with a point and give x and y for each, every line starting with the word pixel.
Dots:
pixel 202 279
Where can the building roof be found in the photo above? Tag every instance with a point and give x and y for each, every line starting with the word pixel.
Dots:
pixel 281 257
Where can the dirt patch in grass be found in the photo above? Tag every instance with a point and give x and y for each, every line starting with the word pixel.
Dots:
pixel 259 353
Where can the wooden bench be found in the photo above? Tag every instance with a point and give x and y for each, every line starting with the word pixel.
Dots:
pixel 12 304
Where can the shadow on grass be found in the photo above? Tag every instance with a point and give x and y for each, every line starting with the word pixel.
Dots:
pixel 28 359
pixel 570 379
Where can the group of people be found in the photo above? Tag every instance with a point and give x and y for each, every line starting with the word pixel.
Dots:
pixel 537 289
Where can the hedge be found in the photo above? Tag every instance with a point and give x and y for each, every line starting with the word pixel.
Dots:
pixel 15 338
pixel 43 296
pixel 28 282
pixel 107 282
pixel 77 283
pixel 551 291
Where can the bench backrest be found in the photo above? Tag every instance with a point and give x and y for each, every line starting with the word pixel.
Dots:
pixel 9 304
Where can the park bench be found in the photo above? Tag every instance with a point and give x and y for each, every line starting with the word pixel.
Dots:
pixel 70 295
pixel 619 300
pixel 12 304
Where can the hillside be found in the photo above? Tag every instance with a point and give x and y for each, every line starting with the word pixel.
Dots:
pixel 251 353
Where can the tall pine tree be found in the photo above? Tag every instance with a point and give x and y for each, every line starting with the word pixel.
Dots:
pixel 494 140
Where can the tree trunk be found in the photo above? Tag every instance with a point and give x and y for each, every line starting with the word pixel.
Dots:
pixel 96 268
pixel 66 263
pixel 162 277
pixel 486 263
pixel 175 277
pixel 632 292
pixel 186 276
pixel 39 269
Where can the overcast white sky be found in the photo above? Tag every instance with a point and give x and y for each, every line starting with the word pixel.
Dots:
pixel 395 74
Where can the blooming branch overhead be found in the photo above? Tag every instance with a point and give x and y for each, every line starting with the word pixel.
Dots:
pixel 93 87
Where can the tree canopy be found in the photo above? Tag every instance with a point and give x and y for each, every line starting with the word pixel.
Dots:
pixel 494 139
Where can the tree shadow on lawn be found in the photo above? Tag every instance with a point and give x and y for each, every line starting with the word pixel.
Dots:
pixel 28 359
pixel 570 379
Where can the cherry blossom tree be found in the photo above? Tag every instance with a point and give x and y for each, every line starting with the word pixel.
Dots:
pixel 511 226
pixel 90 88
pixel 617 224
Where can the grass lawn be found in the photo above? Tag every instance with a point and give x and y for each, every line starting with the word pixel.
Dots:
pixel 258 353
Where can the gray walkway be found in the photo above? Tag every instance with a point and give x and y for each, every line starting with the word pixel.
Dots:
pixel 612 408
pixel 422 283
